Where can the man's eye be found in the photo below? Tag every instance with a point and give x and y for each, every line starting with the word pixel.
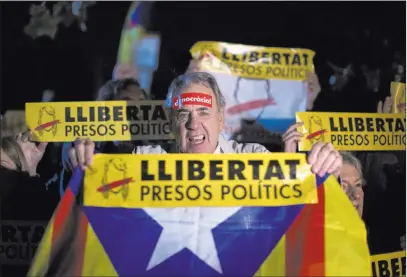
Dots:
pixel 182 116
pixel 203 113
pixel 359 185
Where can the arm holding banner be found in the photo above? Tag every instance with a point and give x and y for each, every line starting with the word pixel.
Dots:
pixel 313 89
pixel 335 238
pixel 291 138
pixel 323 158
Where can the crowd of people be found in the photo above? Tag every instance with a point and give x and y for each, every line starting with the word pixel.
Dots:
pixel 198 130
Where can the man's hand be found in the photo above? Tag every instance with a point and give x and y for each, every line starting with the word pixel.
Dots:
pixel 33 153
pixel 291 138
pixel 82 154
pixel 314 88
pixel 323 159
pixel 193 66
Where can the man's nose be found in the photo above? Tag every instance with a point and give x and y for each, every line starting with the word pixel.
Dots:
pixel 344 187
pixel 192 122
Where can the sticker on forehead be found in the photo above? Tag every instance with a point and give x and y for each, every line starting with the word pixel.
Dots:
pixel 192 98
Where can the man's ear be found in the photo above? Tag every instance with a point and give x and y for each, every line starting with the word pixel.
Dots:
pixel 222 118
pixel 170 119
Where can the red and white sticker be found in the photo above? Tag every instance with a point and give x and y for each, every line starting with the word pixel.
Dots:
pixel 192 98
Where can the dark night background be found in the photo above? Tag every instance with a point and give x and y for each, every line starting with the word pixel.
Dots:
pixel 75 64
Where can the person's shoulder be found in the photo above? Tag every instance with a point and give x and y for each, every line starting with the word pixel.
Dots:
pixel 236 147
pixel 149 149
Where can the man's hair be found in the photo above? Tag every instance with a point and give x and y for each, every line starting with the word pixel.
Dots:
pixel 350 159
pixel 114 87
pixel 200 78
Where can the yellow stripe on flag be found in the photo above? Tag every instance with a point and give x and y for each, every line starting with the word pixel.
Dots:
pixel 40 263
pixel 345 235
pixel 275 263
pixel 95 254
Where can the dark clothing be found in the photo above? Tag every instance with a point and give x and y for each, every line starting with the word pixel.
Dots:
pixel 23 199
pixel 387 214
pixel 385 201
pixel 50 164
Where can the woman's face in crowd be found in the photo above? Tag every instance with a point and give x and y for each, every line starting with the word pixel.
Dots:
pixel 27 152
pixel 351 179
pixel 197 127
pixel 131 93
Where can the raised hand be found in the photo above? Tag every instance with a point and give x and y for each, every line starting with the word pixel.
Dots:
pixel 291 138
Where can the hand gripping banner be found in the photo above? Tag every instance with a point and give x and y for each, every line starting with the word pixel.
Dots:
pixel 203 215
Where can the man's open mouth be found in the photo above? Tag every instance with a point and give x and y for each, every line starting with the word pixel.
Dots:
pixel 196 140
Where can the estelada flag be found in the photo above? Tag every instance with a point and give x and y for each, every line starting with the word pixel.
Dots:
pixel 324 239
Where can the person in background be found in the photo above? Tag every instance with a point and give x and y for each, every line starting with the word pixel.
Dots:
pixel 124 89
pixel 23 195
pixel 351 176
pixel 385 195
pixel 20 182
pixel 197 129
pixel 352 181
pixel 127 89
pixel 385 176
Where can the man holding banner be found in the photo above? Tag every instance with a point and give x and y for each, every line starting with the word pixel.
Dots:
pixel 171 223
pixel 197 117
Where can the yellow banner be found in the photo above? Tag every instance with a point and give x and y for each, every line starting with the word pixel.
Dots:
pixel 353 131
pixel 99 120
pixel 185 180
pixel 398 94
pixel 255 62
pixel 389 265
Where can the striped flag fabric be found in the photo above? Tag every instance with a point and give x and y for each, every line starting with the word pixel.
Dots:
pixel 132 31
pixel 323 239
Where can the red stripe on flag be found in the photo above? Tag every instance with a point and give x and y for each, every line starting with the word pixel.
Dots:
pixel 83 234
pixel 305 240
pixel 62 213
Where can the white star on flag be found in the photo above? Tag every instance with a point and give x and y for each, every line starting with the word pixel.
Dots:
pixel 189 228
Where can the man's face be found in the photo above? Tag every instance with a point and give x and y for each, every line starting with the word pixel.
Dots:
pixel 351 177
pixel 196 126
pixel 131 93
